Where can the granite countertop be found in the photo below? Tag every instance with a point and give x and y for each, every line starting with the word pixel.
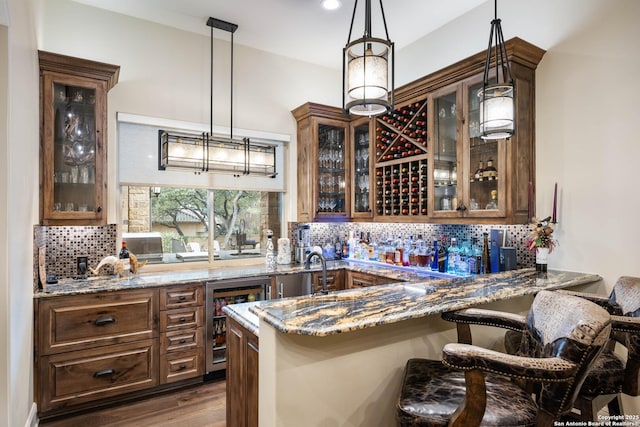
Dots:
pixel 355 309
pixel 149 280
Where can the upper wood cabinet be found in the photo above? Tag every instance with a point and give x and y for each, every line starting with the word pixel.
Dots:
pixel 424 155
pixel 73 138
pixel 324 180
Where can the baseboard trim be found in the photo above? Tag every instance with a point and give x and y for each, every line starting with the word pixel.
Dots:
pixel 32 420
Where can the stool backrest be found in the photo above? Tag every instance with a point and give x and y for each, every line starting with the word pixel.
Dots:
pixel 568 327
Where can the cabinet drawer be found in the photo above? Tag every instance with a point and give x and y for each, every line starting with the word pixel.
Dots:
pixel 87 321
pixel 181 340
pixel 361 280
pixel 83 376
pixel 190 317
pixel 181 366
pixel 181 296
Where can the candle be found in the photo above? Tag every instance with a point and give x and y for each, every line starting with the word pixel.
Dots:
pixel 554 217
pixel 530 202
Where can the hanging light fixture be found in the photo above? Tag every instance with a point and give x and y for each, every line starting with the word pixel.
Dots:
pixel 208 152
pixel 497 100
pixel 367 68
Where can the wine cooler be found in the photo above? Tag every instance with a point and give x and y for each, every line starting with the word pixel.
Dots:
pixel 219 294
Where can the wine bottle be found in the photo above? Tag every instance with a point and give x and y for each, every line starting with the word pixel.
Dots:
pixel 124 257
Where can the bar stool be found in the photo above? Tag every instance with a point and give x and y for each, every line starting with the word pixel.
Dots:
pixel 475 386
pixel 610 375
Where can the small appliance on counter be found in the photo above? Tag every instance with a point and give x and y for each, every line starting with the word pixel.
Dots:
pixel 303 244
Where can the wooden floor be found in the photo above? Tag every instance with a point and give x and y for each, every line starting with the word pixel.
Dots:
pixel 198 406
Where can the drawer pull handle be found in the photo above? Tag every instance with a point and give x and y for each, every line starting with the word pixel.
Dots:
pixel 182 298
pixel 183 367
pixel 104 373
pixel 104 321
pixel 182 341
pixel 183 319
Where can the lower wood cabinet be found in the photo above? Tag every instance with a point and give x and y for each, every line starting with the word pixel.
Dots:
pixel 242 376
pixel 335 280
pixel 357 279
pixel 86 375
pixel 101 347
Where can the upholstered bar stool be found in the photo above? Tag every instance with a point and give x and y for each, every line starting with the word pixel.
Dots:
pixel 474 386
pixel 611 375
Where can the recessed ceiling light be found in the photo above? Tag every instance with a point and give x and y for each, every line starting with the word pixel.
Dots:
pixel 331 4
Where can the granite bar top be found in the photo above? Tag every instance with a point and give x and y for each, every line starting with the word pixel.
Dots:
pixel 113 283
pixel 242 314
pixel 355 309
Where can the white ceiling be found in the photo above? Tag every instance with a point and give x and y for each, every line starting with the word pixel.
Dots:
pixel 300 29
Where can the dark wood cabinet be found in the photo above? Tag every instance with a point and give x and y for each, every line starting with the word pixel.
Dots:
pixel 242 376
pixel 423 156
pixel 73 139
pixel 335 280
pixel 324 187
pixel 358 279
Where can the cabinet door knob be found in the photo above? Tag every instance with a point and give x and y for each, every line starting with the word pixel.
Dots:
pixel 99 209
pixel 461 208
pixel 104 321
pixel 183 367
pixel 103 373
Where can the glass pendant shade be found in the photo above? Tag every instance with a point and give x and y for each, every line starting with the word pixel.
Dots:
pixel 367 77
pixel 496 112
pixel 367 71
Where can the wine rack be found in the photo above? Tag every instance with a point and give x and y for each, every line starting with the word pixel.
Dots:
pixel 402 133
pixel 402 188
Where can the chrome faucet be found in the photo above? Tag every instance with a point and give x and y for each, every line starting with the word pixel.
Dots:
pixel 307 266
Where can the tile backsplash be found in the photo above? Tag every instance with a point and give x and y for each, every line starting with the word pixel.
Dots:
pixel 65 243
pixel 515 234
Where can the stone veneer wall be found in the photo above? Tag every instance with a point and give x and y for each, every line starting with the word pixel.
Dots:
pixel 136 204
pixel 516 234
pixel 65 244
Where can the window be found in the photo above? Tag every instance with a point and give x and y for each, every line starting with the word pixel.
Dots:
pixel 166 225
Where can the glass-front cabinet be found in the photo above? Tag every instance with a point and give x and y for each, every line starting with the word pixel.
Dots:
pixel 324 186
pixel 361 201
pixel 446 152
pixel 486 160
pixel 73 162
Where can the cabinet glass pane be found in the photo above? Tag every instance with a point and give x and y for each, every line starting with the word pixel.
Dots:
pixel 483 158
pixel 74 148
pixel 331 168
pixel 445 174
pixel 361 168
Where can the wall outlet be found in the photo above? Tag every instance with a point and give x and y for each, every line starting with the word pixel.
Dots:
pixel 82 265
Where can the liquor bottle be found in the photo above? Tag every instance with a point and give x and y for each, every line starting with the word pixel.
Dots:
pixel 474 260
pixel 486 261
pixel 453 256
pixel 373 247
pixel 490 171
pixel 479 172
pixel 124 256
pixel 493 203
pixel 462 264
pixel 434 258
pixel 337 253
pixel 442 255
pixel 270 257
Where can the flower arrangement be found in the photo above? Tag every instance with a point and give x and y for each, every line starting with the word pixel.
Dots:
pixel 541 235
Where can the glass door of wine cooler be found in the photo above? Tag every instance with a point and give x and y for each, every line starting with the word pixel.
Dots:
pixel 332 163
pixel 220 294
pixel 446 152
pixel 361 170
pixel 486 163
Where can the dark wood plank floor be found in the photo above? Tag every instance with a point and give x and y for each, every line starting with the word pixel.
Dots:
pixel 198 406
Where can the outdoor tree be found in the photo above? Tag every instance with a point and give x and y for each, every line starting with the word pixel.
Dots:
pixel 171 202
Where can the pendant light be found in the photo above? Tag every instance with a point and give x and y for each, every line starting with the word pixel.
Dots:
pixel 497 99
pixel 209 152
pixel 368 69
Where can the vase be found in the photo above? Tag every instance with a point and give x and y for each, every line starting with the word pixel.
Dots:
pixel 541 259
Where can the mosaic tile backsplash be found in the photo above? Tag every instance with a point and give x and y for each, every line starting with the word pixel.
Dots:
pixel 515 234
pixel 65 244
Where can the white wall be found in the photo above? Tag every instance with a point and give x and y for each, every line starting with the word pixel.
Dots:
pixel 165 73
pixel 19 148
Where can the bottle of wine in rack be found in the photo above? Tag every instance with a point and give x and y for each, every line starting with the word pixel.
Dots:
pixel 403 191
pixel 402 133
